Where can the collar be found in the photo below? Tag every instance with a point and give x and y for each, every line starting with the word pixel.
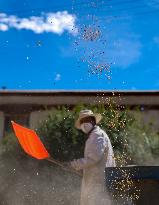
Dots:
pixel 88 134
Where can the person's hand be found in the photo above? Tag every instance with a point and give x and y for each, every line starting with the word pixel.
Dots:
pixel 66 165
pixel 74 164
pixel 69 167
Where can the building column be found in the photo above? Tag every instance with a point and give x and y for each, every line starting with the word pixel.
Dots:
pixel 37 117
pixel 1 124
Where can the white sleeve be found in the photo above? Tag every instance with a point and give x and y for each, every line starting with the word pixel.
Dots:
pixel 95 151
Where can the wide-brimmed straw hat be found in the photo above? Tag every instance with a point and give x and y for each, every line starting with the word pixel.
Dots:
pixel 87 113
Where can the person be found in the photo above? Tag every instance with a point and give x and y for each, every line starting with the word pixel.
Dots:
pixel 98 154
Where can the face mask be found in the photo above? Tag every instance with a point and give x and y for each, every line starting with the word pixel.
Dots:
pixel 86 127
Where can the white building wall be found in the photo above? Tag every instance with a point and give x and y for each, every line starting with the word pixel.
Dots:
pixel 152 116
pixel 149 116
pixel 37 117
pixel 1 124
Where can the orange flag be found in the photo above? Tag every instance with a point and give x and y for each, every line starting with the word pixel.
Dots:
pixel 30 142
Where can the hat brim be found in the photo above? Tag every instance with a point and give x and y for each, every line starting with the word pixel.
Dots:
pixel 97 116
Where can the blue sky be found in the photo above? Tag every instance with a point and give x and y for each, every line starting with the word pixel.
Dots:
pixel 64 44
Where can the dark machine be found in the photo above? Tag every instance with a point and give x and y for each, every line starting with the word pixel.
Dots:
pixel 133 185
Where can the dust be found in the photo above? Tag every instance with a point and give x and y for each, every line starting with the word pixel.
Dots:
pixel 30 182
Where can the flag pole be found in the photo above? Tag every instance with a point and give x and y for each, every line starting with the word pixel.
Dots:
pixel 62 166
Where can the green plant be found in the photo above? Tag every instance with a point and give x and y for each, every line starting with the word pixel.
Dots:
pixel 143 142
pixel 133 142
pixel 10 148
pixel 62 140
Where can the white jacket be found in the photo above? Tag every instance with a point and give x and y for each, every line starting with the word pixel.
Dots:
pixel 98 154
